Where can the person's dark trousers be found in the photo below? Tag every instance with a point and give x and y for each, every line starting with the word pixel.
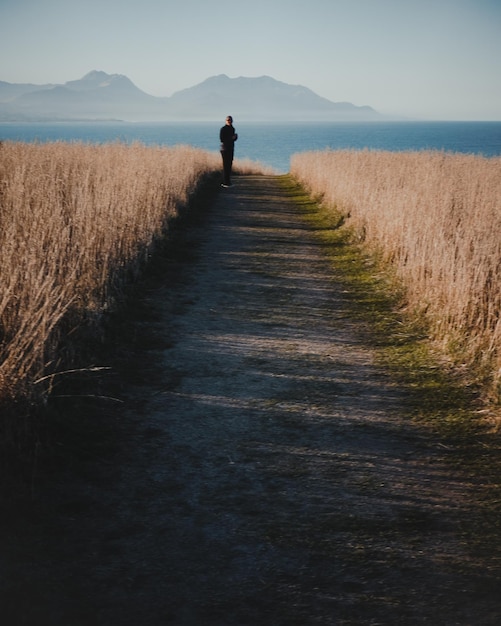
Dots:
pixel 227 163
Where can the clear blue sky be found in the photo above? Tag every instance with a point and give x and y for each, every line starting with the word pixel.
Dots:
pixel 432 59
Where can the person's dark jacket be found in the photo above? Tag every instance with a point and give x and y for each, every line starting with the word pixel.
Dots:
pixel 227 137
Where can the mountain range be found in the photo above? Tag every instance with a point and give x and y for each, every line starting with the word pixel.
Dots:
pixel 101 96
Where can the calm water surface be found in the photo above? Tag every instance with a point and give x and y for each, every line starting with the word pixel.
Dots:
pixel 274 143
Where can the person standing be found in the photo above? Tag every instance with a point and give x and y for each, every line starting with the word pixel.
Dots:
pixel 227 137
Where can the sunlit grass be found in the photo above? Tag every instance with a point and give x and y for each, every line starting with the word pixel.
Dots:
pixel 433 219
pixel 434 391
pixel 77 222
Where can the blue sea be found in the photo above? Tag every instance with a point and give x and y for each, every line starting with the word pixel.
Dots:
pixel 273 143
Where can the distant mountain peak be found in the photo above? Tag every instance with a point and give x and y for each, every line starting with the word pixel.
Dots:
pixel 97 79
pixel 262 98
pixel 96 75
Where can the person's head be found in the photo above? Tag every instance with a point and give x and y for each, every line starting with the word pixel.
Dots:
pixel 229 120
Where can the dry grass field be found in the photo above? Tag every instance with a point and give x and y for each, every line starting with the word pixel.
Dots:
pixel 77 221
pixel 435 218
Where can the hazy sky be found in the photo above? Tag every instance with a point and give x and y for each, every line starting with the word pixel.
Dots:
pixel 432 59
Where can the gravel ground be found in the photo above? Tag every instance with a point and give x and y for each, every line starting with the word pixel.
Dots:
pixel 259 470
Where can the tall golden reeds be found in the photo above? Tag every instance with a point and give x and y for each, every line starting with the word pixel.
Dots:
pixel 75 219
pixel 436 218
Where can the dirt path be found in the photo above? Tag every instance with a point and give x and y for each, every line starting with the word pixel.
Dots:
pixel 262 473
